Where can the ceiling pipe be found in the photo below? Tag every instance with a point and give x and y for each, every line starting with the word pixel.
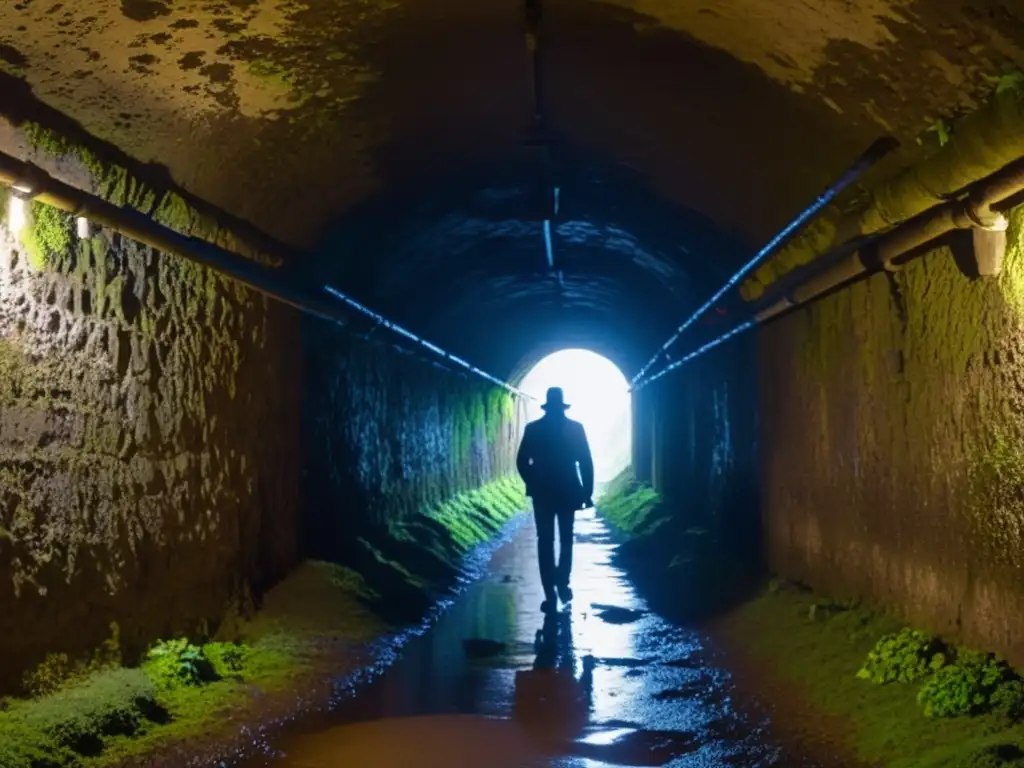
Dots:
pixel 31 182
pixel 879 149
pixel 979 210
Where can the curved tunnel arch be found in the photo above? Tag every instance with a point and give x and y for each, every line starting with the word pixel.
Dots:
pixel 467 267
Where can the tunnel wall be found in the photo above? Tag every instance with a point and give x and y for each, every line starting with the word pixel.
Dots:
pixel 893 445
pixel 694 441
pixel 149 413
pixel 388 434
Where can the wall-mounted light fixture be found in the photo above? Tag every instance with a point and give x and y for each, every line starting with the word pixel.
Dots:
pixel 84 228
pixel 17 211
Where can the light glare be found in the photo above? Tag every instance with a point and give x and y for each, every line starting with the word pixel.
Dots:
pixel 600 399
pixel 17 213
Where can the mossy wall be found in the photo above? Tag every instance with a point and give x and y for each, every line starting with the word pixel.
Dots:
pixel 148 423
pixel 152 470
pixel 981 143
pixel 387 434
pixel 694 442
pixel 893 445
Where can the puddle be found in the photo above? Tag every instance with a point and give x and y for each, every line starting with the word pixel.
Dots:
pixel 496 683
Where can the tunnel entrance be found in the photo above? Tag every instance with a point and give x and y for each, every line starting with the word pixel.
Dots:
pixel 599 395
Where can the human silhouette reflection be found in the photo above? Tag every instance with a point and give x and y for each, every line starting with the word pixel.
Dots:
pixel 549 700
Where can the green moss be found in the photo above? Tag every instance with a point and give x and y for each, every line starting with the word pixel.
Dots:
pixel 822 656
pixel 477 412
pixel 47 236
pixel 462 431
pixel 495 414
pixel 100 714
pixel 966 687
pixel 632 507
pixel 995 503
pixel 179 691
pixel 173 663
pixel 500 410
pixel 119 186
pixel 74 727
pixel 473 517
pixel 970 149
pixel 903 657
pixel 272 72
pixel 58 671
pixel 1011 279
pixel 175 213
pixel 45 140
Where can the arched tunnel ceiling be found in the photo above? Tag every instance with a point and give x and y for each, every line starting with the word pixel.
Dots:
pixel 308 117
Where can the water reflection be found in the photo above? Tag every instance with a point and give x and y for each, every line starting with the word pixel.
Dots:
pixel 497 683
pixel 549 700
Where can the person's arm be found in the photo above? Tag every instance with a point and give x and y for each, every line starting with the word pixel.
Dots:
pixel 586 462
pixel 524 458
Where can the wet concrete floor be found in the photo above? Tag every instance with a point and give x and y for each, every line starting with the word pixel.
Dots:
pixel 493 683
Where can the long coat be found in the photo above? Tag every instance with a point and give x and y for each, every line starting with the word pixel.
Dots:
pixel 552 449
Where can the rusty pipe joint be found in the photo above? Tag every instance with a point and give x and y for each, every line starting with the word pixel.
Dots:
pixel 976 212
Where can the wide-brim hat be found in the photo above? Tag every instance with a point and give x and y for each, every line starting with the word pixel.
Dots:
pixel 555 399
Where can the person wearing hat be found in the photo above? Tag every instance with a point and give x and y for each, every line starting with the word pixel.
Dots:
pixel 555 463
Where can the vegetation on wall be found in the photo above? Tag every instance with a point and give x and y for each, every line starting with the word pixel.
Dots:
pixel 959 152
pixel 47 235
pixel 411 560
pixel 118 185
pixel 120 368
pixel 145 389
pixel 663 549
pixel 96 714
pixel 869 369
pixel 480 416
pixel 910 699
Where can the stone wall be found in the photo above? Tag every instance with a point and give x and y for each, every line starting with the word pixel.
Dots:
pixel 893 445
pixel 387 434
pixel 149 424
pixel 695 442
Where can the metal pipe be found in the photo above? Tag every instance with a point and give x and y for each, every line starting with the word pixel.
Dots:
pixel 32 182
pixel 878 149
pixel 980 208
pixel 392 326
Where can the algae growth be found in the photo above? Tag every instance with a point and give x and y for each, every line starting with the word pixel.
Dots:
pixel 969 149
pixel 47 236
pixel 98 713
pixel 911 701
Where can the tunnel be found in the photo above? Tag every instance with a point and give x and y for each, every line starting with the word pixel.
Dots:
pixel 285 286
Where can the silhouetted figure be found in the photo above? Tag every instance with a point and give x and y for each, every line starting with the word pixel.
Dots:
pixel 555 463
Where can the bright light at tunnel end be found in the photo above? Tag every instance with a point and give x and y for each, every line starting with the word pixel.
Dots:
pixel 599 395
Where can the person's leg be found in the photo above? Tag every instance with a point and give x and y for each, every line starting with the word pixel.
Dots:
pixel 566 518
pixel 544 516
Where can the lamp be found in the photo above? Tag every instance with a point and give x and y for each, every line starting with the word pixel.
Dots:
pixel 17 212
